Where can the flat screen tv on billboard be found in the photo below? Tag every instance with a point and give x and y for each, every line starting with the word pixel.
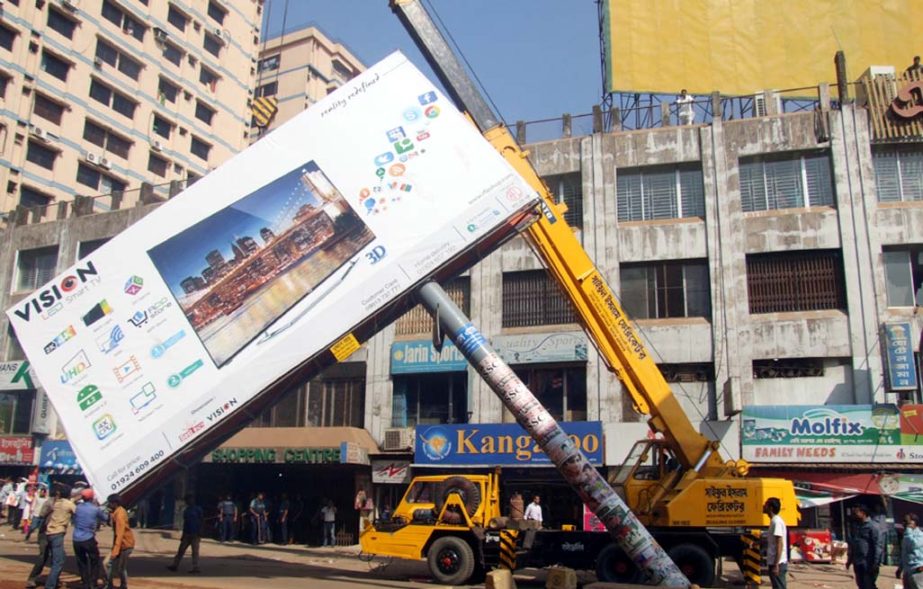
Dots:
pixel 168 330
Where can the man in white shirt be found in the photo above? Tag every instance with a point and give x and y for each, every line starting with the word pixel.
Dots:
pixel 534 510
pixel 777 547
pixel 686 108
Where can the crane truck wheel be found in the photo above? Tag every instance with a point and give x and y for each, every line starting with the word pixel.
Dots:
pixel 614 566
pixel 468 491
pixel 451 560
pixel 695 562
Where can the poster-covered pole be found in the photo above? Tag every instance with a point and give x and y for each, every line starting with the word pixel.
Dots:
pixel 592 487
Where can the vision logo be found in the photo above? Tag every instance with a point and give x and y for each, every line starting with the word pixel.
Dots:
pixel 111 341
pixel 75 367
pixel 161 349
pixel 50 298
pixel 97 312
pixel 59 339
pixel 222 410
pixel 88 396
pixel 104 427
pixel 123 371
pixel 143 398
pixel 134 285
pixel 138 319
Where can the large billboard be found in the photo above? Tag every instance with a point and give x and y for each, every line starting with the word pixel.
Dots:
pixel 819 434
pixel 157 340
pixel 747 46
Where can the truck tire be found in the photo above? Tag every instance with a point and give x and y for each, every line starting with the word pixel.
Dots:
pixel 695 562
pixel 451 560
pixel 614 566
pixel 468 491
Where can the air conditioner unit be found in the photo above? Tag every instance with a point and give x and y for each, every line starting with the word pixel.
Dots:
pixel 160 34
pixel 98 63
pixel 761 109
pixel 104 162
pixel 70 4
pixel 40 133
pixel 93 158
pixel 398 439
pixel 218 32
pixel 157 145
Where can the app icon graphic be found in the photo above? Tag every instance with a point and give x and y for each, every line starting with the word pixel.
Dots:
pixel 143 398
pixel 111 341
pixel 427 98
pixel 97 312
pixel 431 112
pixel 403 146
pixel 104 427
pixel 412 114
pixel 88 396
pixel 161 349
pixel 75 367
pixel 385 158
pixel 134 285
pixel 59 339
pixel 123 371
pixel 396 134
pixel 138 319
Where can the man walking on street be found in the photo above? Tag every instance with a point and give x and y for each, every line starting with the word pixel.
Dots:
pixel 329 512
pixel 193 522
pixel 87 516
pixel 777 546
pixel 534 510
pixel 123 544
pixel 227 512
pixel 44 549
pixel 910 571
pixel 864 553
pixel 58 522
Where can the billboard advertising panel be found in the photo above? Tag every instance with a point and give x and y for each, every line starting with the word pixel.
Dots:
pixel 153 341
pixel 747 46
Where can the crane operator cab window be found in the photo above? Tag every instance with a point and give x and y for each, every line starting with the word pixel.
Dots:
pixel 423 493
pixel 648 460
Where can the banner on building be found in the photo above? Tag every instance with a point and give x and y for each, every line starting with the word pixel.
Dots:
pixel 171 327
pixel 507 444
pixel 531 348
pixel 58 457
pixel 902 369
pixel 15 376
pixel 832 433
pixel 17 450
pixel 390 472
pixel 747 46
pixel 415 356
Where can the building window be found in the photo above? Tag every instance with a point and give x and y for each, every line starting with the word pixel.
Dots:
pixel 788 368
pixel 269 63
pixel 270 89
pixel 423 399
pixel 113 99
pixel 342 70
pixel 336 402
pixel 795 281
pixel 659 290
pixel 532 298
pixel 35 267
pixel 157 165
pixel 418 320
pixel 16 412
pixel 14 349
pixel 203 112
pixel 177 18
pixel 41 155
pixel 562 390
pixel 102 183
pixel 106 139
pixel 31 198
pixel 167 91
pixel 47 109
pixel 55 66
pixel 128 24
pixel 172 53
pixel 212 44
pixel 208 78
pixel 7 36
pixel 216 12
pixel 4 82
pixel 85 248
pixel 162 127
pixel 60 23
pixel 904 276
pixel 109 54
pixel 199 148
pixel 568 189
pixel 898 174
pixel 785 181
pixel 663 192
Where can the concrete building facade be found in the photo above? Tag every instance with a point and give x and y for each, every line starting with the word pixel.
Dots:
pixel 99 96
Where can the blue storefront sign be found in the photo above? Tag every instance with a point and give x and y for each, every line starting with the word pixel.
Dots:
pixel 902 373
pixel 477 444
pixel 58 456
pixel 414 356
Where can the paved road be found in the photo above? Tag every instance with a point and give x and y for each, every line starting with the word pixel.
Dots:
pixel 233 566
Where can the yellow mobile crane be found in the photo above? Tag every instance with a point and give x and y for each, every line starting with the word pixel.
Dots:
pixel 694 502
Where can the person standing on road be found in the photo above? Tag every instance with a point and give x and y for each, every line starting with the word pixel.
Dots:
pixel 38 520
pixel 227 512
pixel 44 549
pixel 777 547
pixel 58 522
pixel 87 517
pixel 864 552
pixel 258 516
pixel 193 522
pixel 534 510
pixel 329 513
pixel 910 571
pixel 123 543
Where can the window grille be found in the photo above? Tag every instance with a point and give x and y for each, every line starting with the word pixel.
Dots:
pixel 662 290
pixel 568 189
pixel 795 281
pixel 35 267
pixel 898 174
pixel 418 319
pixel 532 298
pixel 662 192
pixel 784 182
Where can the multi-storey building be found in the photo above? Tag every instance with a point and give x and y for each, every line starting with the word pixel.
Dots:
pixel 100 96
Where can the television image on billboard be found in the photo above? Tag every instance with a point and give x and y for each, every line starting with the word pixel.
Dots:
pixel 237 271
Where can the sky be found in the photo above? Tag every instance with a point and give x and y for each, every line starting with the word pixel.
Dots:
pixel 535 59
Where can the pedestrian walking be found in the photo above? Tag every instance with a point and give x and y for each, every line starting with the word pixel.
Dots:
pixel 910 571
pixel 534 510
pixel 777 546
pixel 329 514
pixel 44 548
pixel 58 522
pixel 87 517
pixel 28 508
pixel 258 517
pixel 123 543
pixel 864 552
pixel 227 514
pixel 5 490
pixel 41 499
pixel 14 512
pixel 193 522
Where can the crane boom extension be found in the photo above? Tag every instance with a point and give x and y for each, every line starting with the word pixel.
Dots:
pixel 597 307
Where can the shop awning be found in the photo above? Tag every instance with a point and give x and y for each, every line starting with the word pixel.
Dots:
pixel 808 498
